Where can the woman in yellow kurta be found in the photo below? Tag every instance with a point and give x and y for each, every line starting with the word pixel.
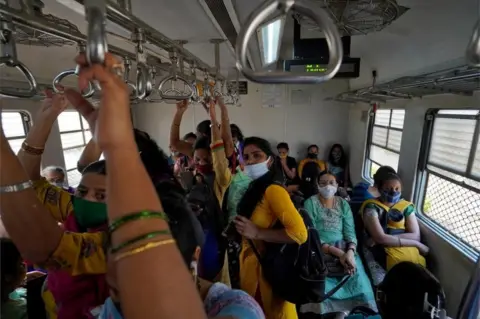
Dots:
pixel 263 204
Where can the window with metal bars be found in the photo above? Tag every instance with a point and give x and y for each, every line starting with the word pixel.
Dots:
pixel 449 169
pixel 15 126
pixel 75 134
pixel 384 140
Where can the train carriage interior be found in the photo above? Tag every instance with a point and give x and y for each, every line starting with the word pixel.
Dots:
pixel 395 82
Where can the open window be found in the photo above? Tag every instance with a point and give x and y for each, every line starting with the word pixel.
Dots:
pixel 15 126
pixel 384 140
pixel 75 134
pixel 269 40
pixel 449 176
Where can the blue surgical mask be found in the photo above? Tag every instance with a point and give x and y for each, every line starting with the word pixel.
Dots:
pixel 391 196
pixel 255 171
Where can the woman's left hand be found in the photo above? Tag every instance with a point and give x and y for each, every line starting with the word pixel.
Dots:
pixel 348 261
pixel 246 228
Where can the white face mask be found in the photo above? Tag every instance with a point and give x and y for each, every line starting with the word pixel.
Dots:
pixel 327 191
pixel 255 171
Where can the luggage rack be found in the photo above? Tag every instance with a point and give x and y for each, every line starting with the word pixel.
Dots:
pixel 463 80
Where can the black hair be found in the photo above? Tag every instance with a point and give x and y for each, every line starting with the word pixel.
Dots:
pixel 257 188
pixel 204 128
pixel 381 173
pixel 342 162
pixel 10 266
pixel 388 177
pixel 282 145
pixel 202 143
pixel 237 132
pixel 312 146
pixel 400 301
pixel 190 135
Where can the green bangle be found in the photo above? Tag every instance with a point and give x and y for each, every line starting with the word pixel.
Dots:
pixel 135 216
pixel 140 238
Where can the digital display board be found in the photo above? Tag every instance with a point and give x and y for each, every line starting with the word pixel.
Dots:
pixel 317 68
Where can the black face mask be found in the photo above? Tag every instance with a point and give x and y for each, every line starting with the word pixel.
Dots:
pixel 312 155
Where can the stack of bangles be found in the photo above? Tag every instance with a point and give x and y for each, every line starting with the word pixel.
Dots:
pixel 126 247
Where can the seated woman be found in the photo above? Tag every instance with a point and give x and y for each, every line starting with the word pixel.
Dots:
pixel 220 301
pixel 289 164
pixel 312 157
pixel 363 191
pixel 13 272
pixel 333 220
pixel 338 165
pixel 264 204
pixel 391 226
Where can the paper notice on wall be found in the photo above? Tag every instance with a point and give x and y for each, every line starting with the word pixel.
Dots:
pixel 272 96
pixel 300 97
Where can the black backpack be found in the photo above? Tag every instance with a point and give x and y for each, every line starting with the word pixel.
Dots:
pixel 295 272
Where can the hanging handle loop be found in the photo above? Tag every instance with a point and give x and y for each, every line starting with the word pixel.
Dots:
pixel 304 7
pixel 8 57
pixel 97 46
pixel 143 83
pixel 126 75
pixel 72 72
pixel 177 95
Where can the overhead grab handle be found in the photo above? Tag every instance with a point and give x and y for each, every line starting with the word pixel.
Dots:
pixel 126 75
pixel 193 82
pixel 307 8
pixel 144 82
pixel 96 15
pixel 473 48
pixel 62 75
pixel 177 95
pixel 8 57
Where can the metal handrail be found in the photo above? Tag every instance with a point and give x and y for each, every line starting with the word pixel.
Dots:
pixel 307 8
pixel 8 57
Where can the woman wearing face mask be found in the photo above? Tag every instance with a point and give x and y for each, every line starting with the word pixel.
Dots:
pixel 265 204
pixel 312 157
pixel 333 220
pixel 338 165
pixel 55 175
pixel 391 225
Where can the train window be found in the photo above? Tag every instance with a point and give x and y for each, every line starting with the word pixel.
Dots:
pixel 449 191
pixel 384 140
pixel 15 126
pixel 75 134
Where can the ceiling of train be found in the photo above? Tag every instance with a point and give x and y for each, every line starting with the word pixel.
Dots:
pixel 199 21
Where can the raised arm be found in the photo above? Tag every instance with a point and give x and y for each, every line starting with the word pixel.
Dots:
pixel 27 221
pixel 30 155
pixel 223 175
pixel 175 141
pixel 168 292
pixel 226 131
pixel 91 153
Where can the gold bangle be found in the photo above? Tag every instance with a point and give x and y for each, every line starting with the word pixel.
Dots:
pixel 143 248
pixel 32 150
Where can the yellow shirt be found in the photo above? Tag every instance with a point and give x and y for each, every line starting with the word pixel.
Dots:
pixel 276 205
pixel 77 253
pixel 223 177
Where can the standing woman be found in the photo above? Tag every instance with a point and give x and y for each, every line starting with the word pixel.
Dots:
pixel 264 204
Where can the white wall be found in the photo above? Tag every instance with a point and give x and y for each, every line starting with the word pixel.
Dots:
pixel 430 34
pixel 321 122
pixel 445 259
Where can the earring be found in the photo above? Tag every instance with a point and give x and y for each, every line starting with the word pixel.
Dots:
pixel 194 271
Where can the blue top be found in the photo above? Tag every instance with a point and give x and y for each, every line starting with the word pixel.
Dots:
pixel 361 193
